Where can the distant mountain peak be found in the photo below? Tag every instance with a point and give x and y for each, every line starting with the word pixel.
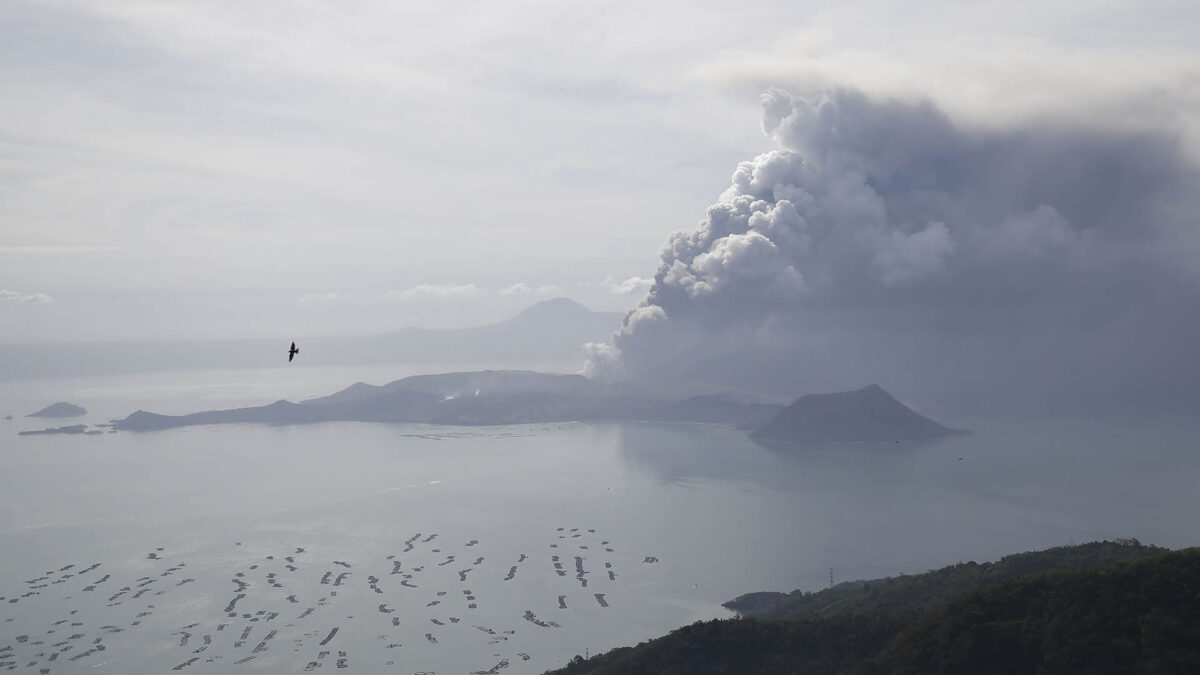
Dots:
pixel 60 409
pixel 554 308
pixel 561 301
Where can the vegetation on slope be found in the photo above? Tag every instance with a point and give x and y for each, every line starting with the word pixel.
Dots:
pixel 749 646
pixel 920 592
pixel 1139 616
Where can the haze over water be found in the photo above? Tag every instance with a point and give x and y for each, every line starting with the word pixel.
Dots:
pixel 686 516
pixel 985 210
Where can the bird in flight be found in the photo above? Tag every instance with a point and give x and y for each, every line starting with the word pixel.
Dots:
pixel 292 352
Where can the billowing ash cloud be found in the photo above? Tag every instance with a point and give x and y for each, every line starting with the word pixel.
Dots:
pixel 882 242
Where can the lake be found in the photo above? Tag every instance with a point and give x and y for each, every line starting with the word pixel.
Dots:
pixel 421 549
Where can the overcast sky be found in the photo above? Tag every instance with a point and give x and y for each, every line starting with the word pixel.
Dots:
pixel 203 168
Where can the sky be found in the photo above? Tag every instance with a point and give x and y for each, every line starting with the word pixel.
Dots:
pixel 230 169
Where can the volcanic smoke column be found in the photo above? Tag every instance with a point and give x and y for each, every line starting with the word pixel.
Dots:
pixel 884 242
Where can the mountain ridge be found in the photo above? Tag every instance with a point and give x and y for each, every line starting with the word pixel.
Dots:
pixel 490 397
pixel 547 333
pixel 470 398
pixel 1128 609
pixel 59 409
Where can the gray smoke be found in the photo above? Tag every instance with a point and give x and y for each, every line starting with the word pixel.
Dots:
pixel 882 242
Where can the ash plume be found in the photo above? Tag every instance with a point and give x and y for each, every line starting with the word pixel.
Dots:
pixel 883 242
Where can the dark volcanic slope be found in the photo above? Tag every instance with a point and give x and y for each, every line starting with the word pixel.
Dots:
pixel 279 412
pixel 60 409
pixel 867 414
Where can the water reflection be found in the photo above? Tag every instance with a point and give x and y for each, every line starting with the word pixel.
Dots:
pixel 679 454
pixel 723 514
pixel 875 508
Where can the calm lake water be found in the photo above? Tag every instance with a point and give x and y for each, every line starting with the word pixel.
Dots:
pixel 498 549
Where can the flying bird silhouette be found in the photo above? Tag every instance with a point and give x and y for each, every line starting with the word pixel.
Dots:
pixel 292 352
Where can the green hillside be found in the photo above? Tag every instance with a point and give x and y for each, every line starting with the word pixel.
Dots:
pixel 925 591
pixel 1139 616
pixel 741 646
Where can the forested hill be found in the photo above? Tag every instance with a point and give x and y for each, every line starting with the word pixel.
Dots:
pixel 1141 616
pixel 926 591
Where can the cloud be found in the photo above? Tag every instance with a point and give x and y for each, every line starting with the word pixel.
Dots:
pixel 213 138
pixel 25 298
pixel 627 287
pixel 14 251
pixel 435 291
pixel 602 361
pixel 984 71
pixel 904 257
pixel 521 288
pixel 884 242
pixel 318 297
pixel 738 261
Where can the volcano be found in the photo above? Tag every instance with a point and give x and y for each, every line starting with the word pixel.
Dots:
pixel 869 414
